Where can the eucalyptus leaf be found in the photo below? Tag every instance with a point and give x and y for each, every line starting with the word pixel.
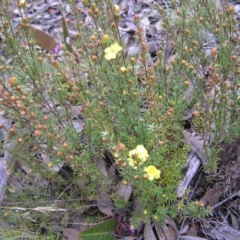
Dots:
pixel 102 231
pixel 44 40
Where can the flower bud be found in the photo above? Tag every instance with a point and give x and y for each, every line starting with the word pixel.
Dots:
pixel 121 146
pixel 123 70
pixel 105 38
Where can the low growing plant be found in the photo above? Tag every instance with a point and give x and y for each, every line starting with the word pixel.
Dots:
pixel 97 101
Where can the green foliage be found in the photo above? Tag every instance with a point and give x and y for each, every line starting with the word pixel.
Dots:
pixel 100 231
pixel 70 111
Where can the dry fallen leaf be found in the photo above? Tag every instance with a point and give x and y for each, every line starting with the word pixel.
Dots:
pixel 212 195
pixel 192 231
pixel 102 166
pixel 124 191
pixel 112 173
pixel 191 238
pixel 105 204
pixel 235 221
pixel 168 230
pixel 221 231
pixel 128 238
pixel 44 40
pixel 78 219
pixel 148 232
pixel 71 234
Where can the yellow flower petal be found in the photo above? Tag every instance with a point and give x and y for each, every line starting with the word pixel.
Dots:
pixel 110 55
pixel 108 50
pixel 142 152
pixel 116 47
pixel 152 172
pixel 111 52
pixel 150 177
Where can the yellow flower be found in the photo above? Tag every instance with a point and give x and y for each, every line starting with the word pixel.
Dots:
pixel 132 163
pixel 152 172
pixel 137 156
pixel 112 51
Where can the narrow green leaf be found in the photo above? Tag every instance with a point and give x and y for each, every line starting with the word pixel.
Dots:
pixel 102 231
pixel 44 40
pixel 66 35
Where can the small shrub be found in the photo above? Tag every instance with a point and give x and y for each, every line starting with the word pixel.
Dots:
pixel 97 100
